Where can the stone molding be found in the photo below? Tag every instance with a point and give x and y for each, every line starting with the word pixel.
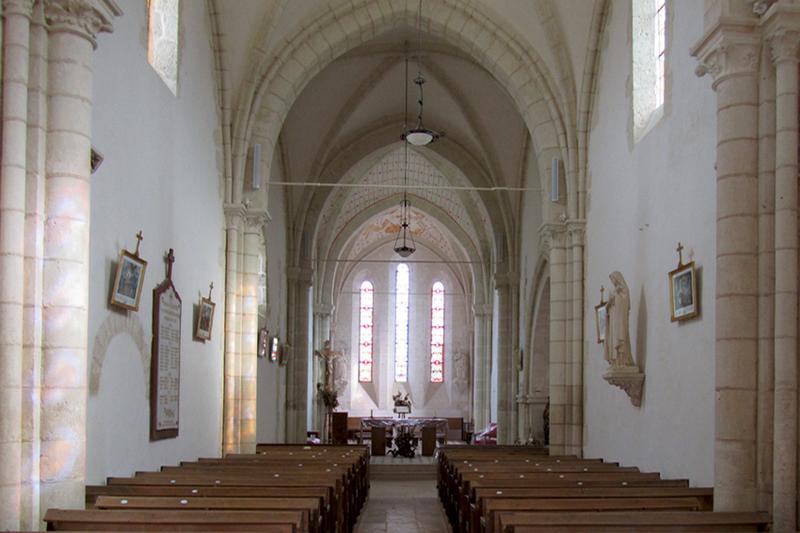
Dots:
pixel 234 215
pixel 18 7
pixel 503 280
pixel 629 379
pixel 482 310
pixel 784 45
pixel 729 49
pixel 85 18
pixel 577 230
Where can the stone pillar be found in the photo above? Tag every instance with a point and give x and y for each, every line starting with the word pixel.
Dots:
pixel 16 35
pixel 234 221
pixel 72 26
pixel 34 250
pixel 297 372
pixel 505 363
pixel 253 245
pixel 730 53
pixel 766 280
pixel 785 44
pixel 552 242
pixel 482 366
pixel 574 433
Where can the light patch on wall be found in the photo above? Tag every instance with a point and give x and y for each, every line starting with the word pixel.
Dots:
pixel 162 40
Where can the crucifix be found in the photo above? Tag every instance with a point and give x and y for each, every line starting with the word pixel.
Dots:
pixel 139 238
pixel 602 295
pixel 170 260
pixel 210 288
pixel 679 249
pixel 329 356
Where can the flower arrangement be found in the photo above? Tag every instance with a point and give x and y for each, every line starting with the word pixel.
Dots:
pixel 330 399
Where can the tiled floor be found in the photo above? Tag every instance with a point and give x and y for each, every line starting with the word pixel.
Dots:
pixel 399 506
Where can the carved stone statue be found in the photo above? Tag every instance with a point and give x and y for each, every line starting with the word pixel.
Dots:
pixel 617 346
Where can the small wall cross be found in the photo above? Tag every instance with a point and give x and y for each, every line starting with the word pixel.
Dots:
pixel 139 238
pixel 602 294
pixel 210 288
pixel 170 260
pixel 679 249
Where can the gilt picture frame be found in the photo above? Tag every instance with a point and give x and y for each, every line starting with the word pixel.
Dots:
pixel 683 297
pixel 128 281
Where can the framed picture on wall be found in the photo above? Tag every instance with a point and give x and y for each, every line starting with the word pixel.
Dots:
pixel 128 281
pixel 683 299
pixel 205 319
pixel 263 342
pixel 274 348
pixel 600 317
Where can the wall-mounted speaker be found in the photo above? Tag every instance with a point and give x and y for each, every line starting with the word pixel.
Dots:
pixel 256 167
pixel 555 173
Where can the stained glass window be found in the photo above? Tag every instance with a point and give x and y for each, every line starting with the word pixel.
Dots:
pixel 401 324
pixel 365 308
pixel 437 333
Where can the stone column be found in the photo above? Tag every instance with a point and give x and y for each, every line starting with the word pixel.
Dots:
pixel 16 35
pixel 574 437
pixel 482 366
pixel 552 241
pixel 256 219
pixel 72 26
pixel 766 280
pixel 730 53
pixel 505 363
pixel 785 43
pixel 34 249
pixel 297 372
pixel 234 221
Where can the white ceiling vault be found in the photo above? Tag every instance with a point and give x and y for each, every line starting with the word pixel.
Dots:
pixel 339 117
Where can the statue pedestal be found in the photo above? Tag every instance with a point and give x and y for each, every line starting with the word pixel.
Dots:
pixel 629 379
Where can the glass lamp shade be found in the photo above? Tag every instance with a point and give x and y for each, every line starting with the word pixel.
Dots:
pixel 420 137
pixel 404 251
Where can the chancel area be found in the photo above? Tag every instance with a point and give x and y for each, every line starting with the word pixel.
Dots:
pixel 457 265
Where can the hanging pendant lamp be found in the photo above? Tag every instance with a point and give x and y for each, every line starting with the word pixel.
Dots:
pixel 404 244
pixel 419 135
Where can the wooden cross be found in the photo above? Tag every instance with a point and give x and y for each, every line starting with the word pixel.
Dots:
pixel 680 254
pixel 602 292
pixel 210 288
pixel 170 260
pixel 138 242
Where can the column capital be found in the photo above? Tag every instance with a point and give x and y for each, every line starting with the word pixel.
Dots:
pixel 85 18
pixel 729 49
pixel 323 309
pixel 18 7
pixel 300 275
pixel 551 235
pixel 482 310
pixel 234 215
pixel 577 230
pixel 506 279
pixel 256 219
pixel 782 31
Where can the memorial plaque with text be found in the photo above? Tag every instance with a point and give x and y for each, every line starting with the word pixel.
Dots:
pixel 165 366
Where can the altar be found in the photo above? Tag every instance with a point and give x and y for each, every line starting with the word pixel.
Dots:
pixel 405 431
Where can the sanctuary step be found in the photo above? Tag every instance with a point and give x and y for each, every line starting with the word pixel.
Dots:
pixel 402 471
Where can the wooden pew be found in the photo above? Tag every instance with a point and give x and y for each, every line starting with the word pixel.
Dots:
pixel 650 521
pixel 310 507
pixel 168 520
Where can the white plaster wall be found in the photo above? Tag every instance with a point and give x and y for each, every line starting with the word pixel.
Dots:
pixel 160 176
pixel 643 200
pixel 449 399
pixel 271 376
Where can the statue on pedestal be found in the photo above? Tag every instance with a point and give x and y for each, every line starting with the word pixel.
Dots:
pixel 617 343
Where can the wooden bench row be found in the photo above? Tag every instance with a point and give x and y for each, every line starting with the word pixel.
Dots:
pixel 520 489
pixel 281 488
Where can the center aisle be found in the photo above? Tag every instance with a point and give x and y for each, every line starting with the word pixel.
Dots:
pixel 402 506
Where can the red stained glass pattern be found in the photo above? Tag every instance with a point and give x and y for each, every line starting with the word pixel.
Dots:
pixel 437 333
pixel 365 311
